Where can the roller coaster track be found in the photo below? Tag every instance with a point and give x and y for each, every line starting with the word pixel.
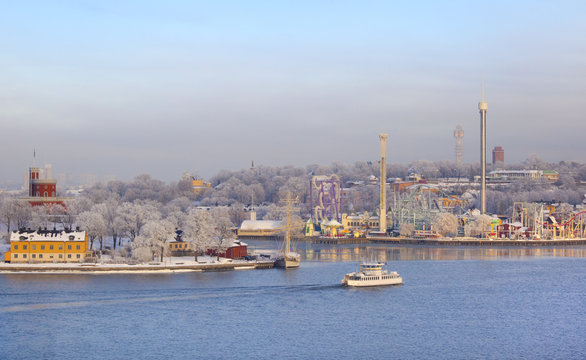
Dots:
pixel 569 221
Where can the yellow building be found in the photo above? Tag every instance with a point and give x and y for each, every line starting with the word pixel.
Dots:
pixel 179 248
pixel 363 221
pixel 47 246
pixel 199 185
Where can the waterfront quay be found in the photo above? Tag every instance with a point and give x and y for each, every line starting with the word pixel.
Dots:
pixel 442 241
pixel 139 268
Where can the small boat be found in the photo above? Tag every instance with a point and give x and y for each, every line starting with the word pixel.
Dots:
pixel 372 274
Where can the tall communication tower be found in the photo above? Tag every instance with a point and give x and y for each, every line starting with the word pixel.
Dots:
pixel 383 205
pixel 482 106
pixel 459 136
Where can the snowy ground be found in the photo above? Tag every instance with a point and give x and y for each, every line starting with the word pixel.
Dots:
pixel 170 264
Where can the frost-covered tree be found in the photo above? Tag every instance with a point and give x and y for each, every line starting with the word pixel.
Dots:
pixel 39 217
pixel 223 233
pixel 446 224
pixel 133 216
pixel 153 237
pixel 15 212
pixel 407 229
pixel 182 204
pixel 114 223
pixel 480 226
pixel 75 207
pixel 144 187
pixel 198 230
pixel 271 212
pixel 56 214
pixel 94 224
pixel 237 213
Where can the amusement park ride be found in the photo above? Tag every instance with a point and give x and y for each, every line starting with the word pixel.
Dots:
pixel 325 194
pixel 536 222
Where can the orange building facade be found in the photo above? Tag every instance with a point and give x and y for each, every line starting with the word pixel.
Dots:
pixel 42 246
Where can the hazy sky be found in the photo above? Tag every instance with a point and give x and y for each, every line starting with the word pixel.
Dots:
pixel 161 87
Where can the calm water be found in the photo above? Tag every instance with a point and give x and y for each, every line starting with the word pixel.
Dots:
pixel 455 303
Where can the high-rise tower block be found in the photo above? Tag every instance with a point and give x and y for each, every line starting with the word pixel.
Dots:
pixel 498 157
pixel 459 136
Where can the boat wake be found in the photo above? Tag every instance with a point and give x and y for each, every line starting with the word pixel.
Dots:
pixel 202 294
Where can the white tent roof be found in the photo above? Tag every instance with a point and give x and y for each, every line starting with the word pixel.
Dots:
pixel 332 223
pixel 260 224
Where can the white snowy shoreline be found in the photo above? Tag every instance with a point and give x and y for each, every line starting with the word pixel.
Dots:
pixel 150 268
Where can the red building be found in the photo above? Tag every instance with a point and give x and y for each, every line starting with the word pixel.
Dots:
pixel 498 156
pixel 42 191
pixel 41 187
pixel 237 250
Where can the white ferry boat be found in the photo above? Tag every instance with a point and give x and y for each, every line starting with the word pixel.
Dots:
pixel 372 274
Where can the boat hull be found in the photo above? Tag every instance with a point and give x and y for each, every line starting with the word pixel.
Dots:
pixel 287 263
pixel 379 282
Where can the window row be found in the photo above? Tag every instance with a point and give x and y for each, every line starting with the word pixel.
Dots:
pixel 47 256
pixel 360 223
pixel 51 247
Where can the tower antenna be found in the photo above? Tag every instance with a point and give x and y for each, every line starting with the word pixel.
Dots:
pixel 482 106
pixel 482 98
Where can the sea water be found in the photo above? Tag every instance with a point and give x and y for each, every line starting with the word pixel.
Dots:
pixel 455 303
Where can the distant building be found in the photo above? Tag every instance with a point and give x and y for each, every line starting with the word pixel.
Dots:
pixel 42 190
pixel 260 228
pixel 199 185
pixel 509 175
pixel 47 246
pixel 360 222
pixel 236 250
pixel 498 157
pixel 179 248
pixel 459 136
pixel 551 175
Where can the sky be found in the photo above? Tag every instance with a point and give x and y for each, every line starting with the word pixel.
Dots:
pixel 122 88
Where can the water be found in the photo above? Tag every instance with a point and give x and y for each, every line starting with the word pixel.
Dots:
pixel 463 303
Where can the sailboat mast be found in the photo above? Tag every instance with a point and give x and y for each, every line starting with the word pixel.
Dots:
pixel 288 232
pixel 288 209
pixel 288 261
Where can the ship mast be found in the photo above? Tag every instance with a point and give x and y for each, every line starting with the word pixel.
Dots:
pixel 288 209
